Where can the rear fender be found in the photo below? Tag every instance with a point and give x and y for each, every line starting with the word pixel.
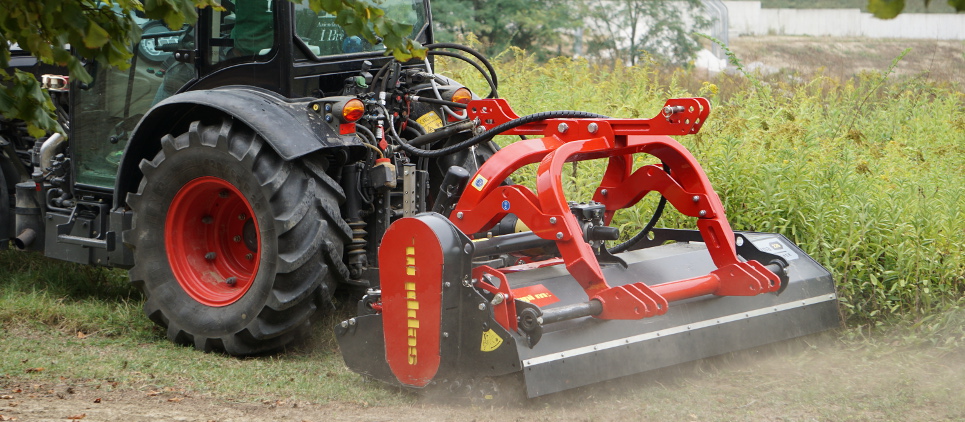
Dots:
pixel 289 126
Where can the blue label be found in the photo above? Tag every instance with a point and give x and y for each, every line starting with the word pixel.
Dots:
pixel 505 205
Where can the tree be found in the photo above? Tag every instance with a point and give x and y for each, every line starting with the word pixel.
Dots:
pixel 537 26
pixel 105 31
pixel 889 9
pixel 626 29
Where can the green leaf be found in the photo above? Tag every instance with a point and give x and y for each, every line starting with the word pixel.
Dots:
pixel 886 9
pixel 959 5
pixel 96 36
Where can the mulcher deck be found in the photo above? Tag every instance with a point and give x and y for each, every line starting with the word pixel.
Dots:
pixel 588 350
pixel 585 350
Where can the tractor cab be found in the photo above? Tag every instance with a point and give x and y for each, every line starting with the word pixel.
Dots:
pixel 274 45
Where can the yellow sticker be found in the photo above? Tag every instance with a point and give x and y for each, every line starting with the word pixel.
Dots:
pixel 490 341
pixel 479 182
pixel 429 121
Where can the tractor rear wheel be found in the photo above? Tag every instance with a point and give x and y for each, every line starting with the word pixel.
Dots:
pixel 233 245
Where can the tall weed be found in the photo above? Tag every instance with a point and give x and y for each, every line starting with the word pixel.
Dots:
pixel 866 174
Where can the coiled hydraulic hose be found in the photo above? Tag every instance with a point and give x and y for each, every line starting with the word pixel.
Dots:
pixel 491 79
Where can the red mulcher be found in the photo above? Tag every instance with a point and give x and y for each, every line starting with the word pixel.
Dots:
pixel 451 308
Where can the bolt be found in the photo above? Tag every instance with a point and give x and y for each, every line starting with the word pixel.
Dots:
pixel 445 334
pixel 242 217
pixel 344 324
pixel 210 256
pixel 552 220
pixel 696 199
pixel 237 239
pixel 459 215
pixel 703 213
pixel 223 194
pixel 559 235
pixel 231 281
pixel 351 321
pixel 482 306
pixel 207 219
pixel 604 192
pixel 592 127
pixel 563 127
pixel 539 320
pixel 446 284
pixel 250 256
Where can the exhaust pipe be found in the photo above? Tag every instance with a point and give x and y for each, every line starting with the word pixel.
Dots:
pixel 49 149
pixel 29 217
pixel 25 239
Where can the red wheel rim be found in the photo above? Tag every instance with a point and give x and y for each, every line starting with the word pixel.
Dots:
pixel 212 241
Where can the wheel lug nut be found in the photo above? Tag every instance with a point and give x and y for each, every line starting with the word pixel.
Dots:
pixel 250 256
pixel 242 217
pixel 223 194
pixel 231 281
pixel 237 239
pixel 210 256
pixel 207 219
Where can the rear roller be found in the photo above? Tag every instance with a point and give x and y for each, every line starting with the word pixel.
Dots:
pixel 233 245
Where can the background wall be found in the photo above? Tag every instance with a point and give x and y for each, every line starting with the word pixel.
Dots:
pixel 748 18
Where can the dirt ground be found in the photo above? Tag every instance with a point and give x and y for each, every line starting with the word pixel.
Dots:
pixel 816 379
pixel 942 60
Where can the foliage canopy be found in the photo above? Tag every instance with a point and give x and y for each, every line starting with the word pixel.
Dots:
pixel 106 32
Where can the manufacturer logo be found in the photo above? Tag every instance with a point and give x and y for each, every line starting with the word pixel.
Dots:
pixel 537 294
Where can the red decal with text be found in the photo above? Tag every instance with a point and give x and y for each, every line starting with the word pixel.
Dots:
pixel 538 295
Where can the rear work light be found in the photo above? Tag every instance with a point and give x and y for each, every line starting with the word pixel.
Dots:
pixel 461 96
pixel 342 111
pixel 350 110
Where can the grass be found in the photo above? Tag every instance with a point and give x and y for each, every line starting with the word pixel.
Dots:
pixel 866 174
pixel 64 320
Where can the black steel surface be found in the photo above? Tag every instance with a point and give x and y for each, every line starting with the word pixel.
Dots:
pixel 587 350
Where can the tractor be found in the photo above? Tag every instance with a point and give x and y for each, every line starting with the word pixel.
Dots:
pixel 245 167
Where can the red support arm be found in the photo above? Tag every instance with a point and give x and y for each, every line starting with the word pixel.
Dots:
pixel 485 201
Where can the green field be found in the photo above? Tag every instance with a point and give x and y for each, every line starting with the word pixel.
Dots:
pixel 866 174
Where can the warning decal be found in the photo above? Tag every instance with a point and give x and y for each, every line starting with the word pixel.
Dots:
pixel 537 294
pixel 490 341
pixel 429 121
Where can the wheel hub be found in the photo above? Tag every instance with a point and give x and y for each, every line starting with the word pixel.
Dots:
pixel 212 240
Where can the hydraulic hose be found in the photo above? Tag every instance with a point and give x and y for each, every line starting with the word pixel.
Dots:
pixel 657 212
pixel 489 79
pixel 476 54
pixel 489 134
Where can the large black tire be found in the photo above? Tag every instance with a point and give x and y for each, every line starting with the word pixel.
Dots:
pixel 193 201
